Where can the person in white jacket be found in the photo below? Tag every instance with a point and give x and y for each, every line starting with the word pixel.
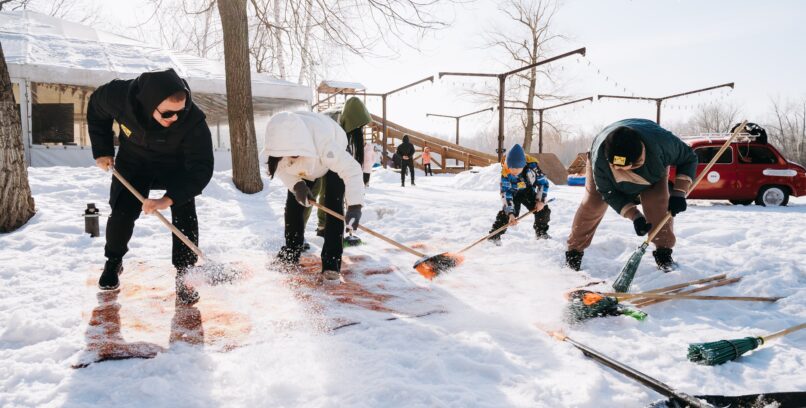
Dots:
pixel 369 161
pixel 301 147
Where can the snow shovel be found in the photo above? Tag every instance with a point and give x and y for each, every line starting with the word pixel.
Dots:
pixel 625 277
pixel 428 266
pixel 214 272
pixel 458 258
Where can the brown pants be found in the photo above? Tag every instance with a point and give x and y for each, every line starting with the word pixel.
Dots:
pixel 654 201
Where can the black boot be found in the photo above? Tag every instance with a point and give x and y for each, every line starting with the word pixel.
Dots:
pixel 663 257
pixel 109 278
pixel 185 294
pixel 287 257
pixel 573 259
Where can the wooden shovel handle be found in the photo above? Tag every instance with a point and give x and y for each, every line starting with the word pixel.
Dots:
pixel 694 297
pixel 369 231
pixel 783 332
pixel 159 215
pixel 646 302
pixel 686 284
pixel 656 229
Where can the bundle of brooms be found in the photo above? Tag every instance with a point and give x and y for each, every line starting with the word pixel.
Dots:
pixel 586 304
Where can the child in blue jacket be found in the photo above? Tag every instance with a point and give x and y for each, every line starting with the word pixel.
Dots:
pixel 522 183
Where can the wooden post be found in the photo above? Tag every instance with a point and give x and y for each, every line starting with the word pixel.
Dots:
pixel 444 159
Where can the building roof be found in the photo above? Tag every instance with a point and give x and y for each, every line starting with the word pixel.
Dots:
pixel 42 48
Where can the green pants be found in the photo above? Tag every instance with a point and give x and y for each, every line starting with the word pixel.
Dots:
pixel 318 192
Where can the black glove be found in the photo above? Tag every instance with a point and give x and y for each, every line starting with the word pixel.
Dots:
pixel 302 194
pixel 641 226
pixel 352 217
pixel 677 203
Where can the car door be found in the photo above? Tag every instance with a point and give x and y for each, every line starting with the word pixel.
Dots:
pixel 719 183
pixel 759 165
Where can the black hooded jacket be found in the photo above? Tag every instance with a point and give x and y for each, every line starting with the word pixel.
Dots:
pixel 183 151
pixel 406 148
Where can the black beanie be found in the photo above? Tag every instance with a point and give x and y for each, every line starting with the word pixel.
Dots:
pixel 154 87
pixel 623 146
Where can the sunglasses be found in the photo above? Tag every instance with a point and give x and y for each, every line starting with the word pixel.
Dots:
pixel 170 114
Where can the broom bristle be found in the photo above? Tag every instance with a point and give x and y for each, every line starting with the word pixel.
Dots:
pixel 432 266
pixel 722 351
pixel 624 279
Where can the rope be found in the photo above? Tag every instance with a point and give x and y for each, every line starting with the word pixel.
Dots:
pixel 735 349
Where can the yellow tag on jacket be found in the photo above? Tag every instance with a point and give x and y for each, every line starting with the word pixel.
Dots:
pixel 125 130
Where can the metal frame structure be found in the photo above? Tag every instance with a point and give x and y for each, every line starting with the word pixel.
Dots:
pixel 540 115
pixel 658 101
pixel 458 118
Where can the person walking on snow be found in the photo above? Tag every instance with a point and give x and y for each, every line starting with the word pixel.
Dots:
pixel 369 161
pixel 301 147
pixel 427 161
pixel 630 158
pixel 522 183
pixel 406 152
pixel 165 143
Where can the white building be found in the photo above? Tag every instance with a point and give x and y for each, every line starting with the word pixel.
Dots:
pixel 55 65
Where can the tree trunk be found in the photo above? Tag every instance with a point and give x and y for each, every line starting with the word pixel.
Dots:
pixel 16 202
pixel 245 163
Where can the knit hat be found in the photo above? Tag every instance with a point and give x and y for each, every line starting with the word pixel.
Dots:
pixel 516 158
pixel 155 87
pixel 623 147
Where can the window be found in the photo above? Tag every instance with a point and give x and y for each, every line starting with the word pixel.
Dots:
pixel 706 154
pixel 757 155
pixel 58 114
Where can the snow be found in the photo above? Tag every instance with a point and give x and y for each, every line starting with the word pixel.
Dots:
pixel 484 350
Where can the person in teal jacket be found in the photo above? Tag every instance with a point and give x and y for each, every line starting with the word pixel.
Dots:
pixel 630 159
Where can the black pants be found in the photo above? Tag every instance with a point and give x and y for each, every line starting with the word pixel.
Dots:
pixel 427 168
pixel 404 165
pixel 525 197
pixel 366 178
pixel 334 228
pixel 126 209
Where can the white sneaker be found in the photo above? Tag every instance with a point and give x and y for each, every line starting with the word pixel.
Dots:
pixel 331 277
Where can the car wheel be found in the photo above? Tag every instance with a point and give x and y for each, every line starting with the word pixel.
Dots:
pixel 772 196
pixel 741 202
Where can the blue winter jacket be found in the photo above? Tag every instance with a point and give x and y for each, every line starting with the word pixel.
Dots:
pixel 531 177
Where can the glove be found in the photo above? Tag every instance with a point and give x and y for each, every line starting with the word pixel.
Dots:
pixel 543 197
pixel 352 217
pixel 641 226
pixel 302 194
pixel 677 203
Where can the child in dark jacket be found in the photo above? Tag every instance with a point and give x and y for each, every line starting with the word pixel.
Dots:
pixel 522 183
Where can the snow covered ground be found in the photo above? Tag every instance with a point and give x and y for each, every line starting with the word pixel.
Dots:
pixel 484 351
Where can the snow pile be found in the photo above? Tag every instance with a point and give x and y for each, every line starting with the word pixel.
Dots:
pixel 484 350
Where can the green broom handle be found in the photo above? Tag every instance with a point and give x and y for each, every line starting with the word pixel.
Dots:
pixel 783 332
pixel 369 231
pixel 705 171
pixel 182 237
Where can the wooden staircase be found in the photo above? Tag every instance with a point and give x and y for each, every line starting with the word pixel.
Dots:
pixel 441 150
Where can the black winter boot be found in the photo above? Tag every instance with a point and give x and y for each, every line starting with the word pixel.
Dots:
pixel 663 257
pixel 109 278
pixel 185 294
pixel 573 259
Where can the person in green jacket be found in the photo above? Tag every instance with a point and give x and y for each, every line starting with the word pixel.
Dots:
pixel 628 159
pixel 352 118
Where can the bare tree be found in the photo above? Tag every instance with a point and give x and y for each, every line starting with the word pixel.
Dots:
pixel 16 202
pixel 80 11
pixel 787 128
pixel 245 164
pixel 715 118
pixel 528 43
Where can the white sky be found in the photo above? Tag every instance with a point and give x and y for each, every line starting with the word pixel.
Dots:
pixel 650 47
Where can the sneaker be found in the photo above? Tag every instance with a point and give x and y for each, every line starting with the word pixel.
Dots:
pixel 109 277
pixel 307 246
pixel 495 241
pixel 542 235
pixel 185 294
pixel 331 277
pixel 573 259
pixel 663 257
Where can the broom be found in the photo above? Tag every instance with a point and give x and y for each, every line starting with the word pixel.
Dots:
pixel 625 277
pixel 722 351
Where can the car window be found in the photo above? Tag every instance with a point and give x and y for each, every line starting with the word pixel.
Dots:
pixel 705 154
pixel 757 155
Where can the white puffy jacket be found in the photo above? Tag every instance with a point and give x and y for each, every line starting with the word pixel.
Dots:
pixel 321 145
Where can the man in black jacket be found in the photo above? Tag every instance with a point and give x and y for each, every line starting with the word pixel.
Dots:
pixel 406 152
pixel 164 144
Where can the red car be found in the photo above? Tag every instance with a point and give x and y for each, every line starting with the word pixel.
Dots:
pixel 748 171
